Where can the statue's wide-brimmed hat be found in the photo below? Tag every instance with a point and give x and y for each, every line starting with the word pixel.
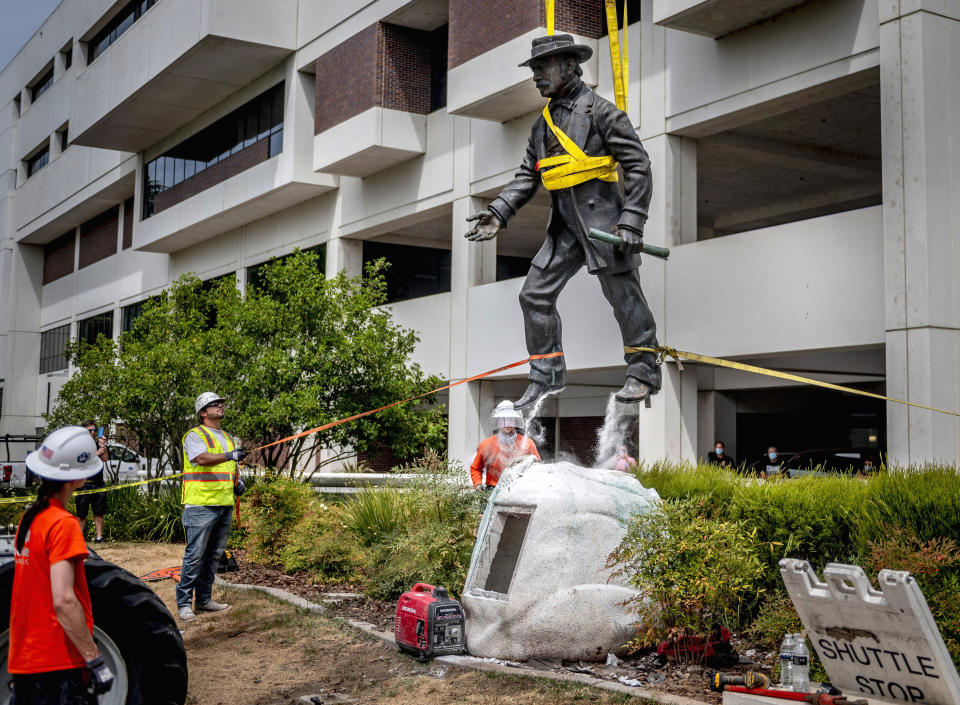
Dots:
pixel 555 44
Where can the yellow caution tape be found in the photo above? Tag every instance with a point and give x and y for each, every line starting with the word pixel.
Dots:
pixel 620 63
pixel 109 488
pixel 665 351
pixel 549 6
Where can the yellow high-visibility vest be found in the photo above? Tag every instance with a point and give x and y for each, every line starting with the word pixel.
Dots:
pixel 210 485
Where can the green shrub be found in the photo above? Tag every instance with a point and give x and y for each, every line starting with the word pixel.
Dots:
pixel 375 513
pixel 275 505
pixel 320 544
pixel 695 574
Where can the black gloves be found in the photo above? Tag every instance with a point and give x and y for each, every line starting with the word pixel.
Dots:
pixel 101 678
pixel 239 488
pixel 235 455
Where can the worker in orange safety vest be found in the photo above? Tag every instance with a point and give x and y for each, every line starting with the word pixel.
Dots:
pixel 500 450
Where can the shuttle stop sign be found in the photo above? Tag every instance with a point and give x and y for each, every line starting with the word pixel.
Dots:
pixel 882 644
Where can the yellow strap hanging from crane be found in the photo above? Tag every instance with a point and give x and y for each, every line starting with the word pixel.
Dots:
pixel 619 63
pixel 549 5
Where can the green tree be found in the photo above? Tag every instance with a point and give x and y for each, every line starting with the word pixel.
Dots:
pixel 298 351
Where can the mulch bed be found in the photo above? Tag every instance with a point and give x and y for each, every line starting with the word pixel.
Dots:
pixel 646 669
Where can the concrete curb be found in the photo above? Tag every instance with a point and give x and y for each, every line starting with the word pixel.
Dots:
pixel 471 662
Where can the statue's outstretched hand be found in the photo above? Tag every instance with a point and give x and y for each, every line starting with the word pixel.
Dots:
pixel 487 227
pixel 632 240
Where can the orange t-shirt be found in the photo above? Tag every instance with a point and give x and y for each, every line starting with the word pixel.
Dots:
pixel 494 458
pixel 38 643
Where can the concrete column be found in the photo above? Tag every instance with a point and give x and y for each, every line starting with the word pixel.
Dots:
pixel 920 99
pixel 21 271
pixel 471 264
pixel 344 254
pixel 668 430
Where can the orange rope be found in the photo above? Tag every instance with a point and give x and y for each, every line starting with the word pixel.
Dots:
pixel 325 426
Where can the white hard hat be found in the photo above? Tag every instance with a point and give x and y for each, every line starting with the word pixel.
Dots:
pixel 69 453
pixel 205 400
pixel 506 415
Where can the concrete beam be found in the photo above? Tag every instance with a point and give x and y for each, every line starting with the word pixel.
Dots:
pixel 786 155
pixel 801 206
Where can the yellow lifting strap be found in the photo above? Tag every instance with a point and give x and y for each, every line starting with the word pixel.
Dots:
pixel 575 167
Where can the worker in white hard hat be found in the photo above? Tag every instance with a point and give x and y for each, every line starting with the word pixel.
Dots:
pixel 210 482
pixel 52 656
pixel 500 450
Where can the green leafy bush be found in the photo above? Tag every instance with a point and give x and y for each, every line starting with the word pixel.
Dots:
pixel 375 513
pixel 320 544
pixel 275 505
pixel 695 574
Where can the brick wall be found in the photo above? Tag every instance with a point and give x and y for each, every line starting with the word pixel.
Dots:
pixel 128 223
pixel 221 171
pixel 98 237
pixel 478 27
pixel 387 66
pixel 58 257
pixel 379 459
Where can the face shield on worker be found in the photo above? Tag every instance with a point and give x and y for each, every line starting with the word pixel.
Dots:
pixel 506 421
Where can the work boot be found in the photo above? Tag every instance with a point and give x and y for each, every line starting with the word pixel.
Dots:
pixel 535 390
pixel 632 391
pixel 186 614
pixel 211 606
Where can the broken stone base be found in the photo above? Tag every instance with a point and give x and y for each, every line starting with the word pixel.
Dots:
pixel 538 585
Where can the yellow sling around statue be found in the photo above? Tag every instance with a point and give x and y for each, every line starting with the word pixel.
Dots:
pixel 576 167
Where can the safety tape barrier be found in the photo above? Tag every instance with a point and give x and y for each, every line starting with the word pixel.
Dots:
pixel 325 426
pixel 107 488
pixel 665 351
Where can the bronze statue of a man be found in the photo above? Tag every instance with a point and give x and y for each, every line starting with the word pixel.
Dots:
pixel 586 193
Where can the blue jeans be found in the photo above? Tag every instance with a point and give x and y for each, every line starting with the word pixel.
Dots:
pixel 208 528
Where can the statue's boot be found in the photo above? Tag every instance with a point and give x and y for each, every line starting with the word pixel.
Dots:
pixel 632 391
pixel 535 390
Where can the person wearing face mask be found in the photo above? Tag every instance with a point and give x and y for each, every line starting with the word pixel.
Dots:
pixel 719 456
pixel 497 452
pixel 622 460
pixel 773 462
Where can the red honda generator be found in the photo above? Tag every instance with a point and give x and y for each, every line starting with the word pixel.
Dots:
pixel 429 623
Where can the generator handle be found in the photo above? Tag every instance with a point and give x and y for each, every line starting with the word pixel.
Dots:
pixel 422 587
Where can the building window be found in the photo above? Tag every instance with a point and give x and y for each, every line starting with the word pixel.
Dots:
pixel 67 54
pixel 413 271
pixel 16 105
pixel 89 329
pixel 204 156
pixel 255 273
pixel 438 68
pixel 509 267
pixel 53 344
pixel 38 161
pixel 41 85
pixel 129 314
pixel 121 22
pixel 63 138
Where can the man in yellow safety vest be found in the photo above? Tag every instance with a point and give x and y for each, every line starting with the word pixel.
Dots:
pixel 577 148
pixel 210 478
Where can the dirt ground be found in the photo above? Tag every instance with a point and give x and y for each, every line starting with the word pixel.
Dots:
pixel 266 652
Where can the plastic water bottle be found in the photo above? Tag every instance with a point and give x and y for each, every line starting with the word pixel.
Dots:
pixel 786 662
pixel 801 665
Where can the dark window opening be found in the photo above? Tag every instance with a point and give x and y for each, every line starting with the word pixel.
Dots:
pixel 41 85
pixel 259 119
pixel 128 314
pixel 413 271
pixel 67 57
pixel 53 344
pixel 64 137
pixel 127 242
pixel 120 23
pixel 38 161
pixel 507 552
pixel 16 105
pixel 89 329
pixel 255 273
pixel 509 267
pixel 438 68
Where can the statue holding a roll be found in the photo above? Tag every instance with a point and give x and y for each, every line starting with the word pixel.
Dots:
pixel 575 149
